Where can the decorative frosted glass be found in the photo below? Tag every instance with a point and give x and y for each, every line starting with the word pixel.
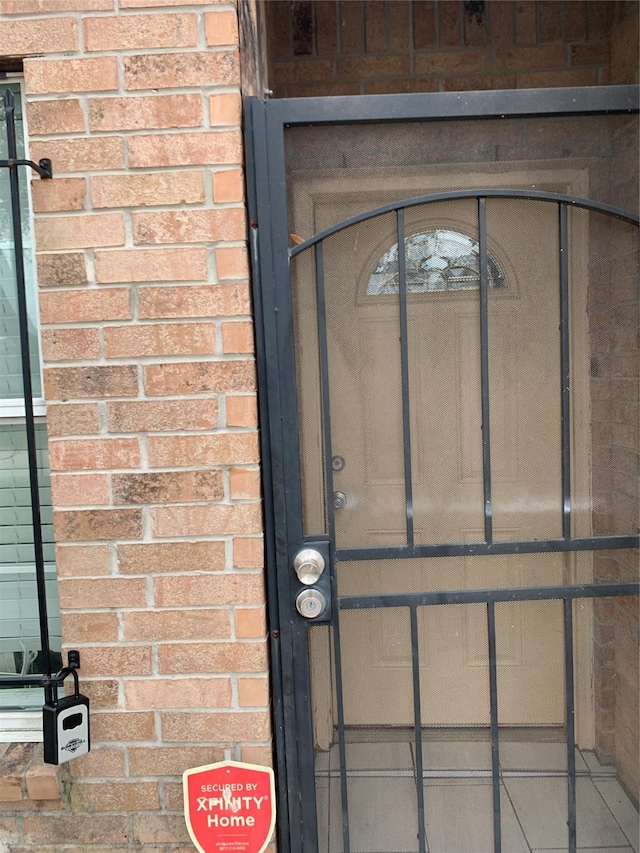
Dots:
pixel 435 261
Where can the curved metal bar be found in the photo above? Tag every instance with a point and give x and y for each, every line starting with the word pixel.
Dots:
pixel 537 195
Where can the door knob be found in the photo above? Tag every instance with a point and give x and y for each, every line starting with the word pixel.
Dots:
pixel 308 564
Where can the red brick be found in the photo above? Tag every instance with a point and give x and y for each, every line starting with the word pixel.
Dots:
pixel 147 190
pixel 61 194
pixel 242 410
pixel 121 726
pixel 78 560
pixel 178 693
pixel 383 65
pixel 237 337
pixel 79 525
pixel 68 344
pixel 204 301
pixel 78 232
pixel 253 692
pixel 77 306
pixel 305 71
pixel 561 77
pixel 225 726
pixel 244 484
pixel 517 58
pixel 43 782
pixel 550 20
pixel 57 116
pixel 199 377
pixel 262 755
pixel 375 33
pixel 51 35
pixel 575 20
pixel 526 27
pixel 211 449
pixel 450 24
pixel 28 7
pixel 159 828
pixel 225 109
pixel 138 112
pixel 72 419
pixel 103 694
pixel 228 186
pixel 46 76
pixel 174 557
pixel 501 24
pixel 101 829
pixel 424 28
pixel 64 269
pixel 167 487
pixel 248 553
pixel 128 32
pixel 210 520
pixel 89 454
pixel 171 761
pixel 198 624
pixel 212 657
pixel 250 622
pixel 165 415
pixel 208 590
pixel 128 265
pixel 79 154
pixel 221 28
pixel 94 626
pixel 189 226
pixel 114 660
pixel 80 489
pixel 185 149
pixel 63 383
pixel 188 69
pixel 100 762
pixel 159 339
pixel 232 262
pixel 590 54
pixel 451 61
pixel 351 26
pixel 480 82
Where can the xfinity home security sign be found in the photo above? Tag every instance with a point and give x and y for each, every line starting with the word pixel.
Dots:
pixel 230 807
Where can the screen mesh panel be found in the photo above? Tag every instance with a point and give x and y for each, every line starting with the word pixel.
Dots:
pixel 468 376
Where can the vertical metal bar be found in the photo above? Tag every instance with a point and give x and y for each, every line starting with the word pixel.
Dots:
pixel 32 451
pixel 484 369
pixel 495 748
pixel 417 722
pixel 404 366
pixel 326 430
pixel 565 377
pixel 570 722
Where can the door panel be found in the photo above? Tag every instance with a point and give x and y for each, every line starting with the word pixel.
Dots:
pixel 365 381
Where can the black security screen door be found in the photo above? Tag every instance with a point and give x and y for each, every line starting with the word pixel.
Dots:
pixel 446 298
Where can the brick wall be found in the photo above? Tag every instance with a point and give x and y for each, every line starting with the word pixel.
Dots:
pixel 149 375
pixel 372 47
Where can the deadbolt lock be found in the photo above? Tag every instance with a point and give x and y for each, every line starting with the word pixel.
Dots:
pixel 311 603
pixel 308 565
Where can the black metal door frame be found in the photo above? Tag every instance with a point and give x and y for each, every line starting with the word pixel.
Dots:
pixel 266 122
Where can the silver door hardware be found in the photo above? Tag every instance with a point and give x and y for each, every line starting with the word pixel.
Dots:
pixel 339 500
pixel 308 565
pixel 311 603
pixel 337 463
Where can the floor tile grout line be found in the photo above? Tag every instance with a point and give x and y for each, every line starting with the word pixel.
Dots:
pixel 631 844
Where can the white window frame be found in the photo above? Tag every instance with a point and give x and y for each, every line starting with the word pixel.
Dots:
pixel 22 725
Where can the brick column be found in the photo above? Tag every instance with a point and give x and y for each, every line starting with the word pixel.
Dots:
pixel 150 382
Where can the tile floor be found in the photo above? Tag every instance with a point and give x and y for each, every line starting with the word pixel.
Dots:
pixel 383 811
